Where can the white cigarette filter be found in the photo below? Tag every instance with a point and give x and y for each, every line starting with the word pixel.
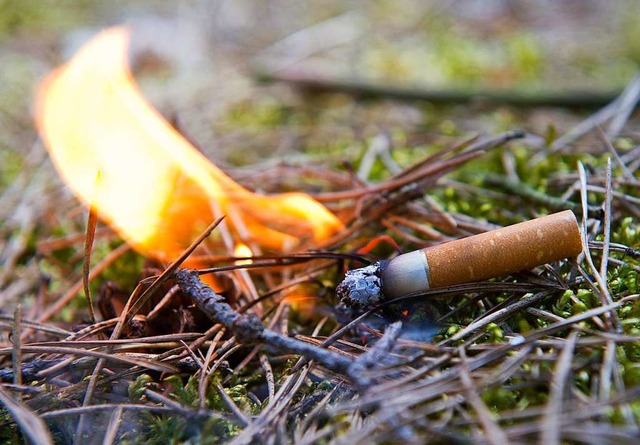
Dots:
pixel 498 252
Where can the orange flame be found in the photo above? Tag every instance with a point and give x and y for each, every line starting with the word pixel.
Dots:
pixel 119 154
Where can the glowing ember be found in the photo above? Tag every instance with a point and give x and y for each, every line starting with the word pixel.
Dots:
pixel 241 251
pixel 119 154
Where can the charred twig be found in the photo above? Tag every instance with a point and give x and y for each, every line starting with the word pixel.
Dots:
pixel 248 329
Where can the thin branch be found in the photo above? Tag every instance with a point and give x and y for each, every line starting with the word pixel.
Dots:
pixel 551 423
pixel 604 294
pixel 92 221
pixel 367 90
pixel 114 425
pixel 17 343
pixel 268 373
pixel 607 224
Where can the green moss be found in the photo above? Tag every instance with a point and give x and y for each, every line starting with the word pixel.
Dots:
pixel 138 387
pixel 10 165
pixel 9 430
pixel 176 428
pixel 257 115
pixel 623 280
pixel 125 271
pixel 628 233
pixel 526 56
pixel 42 15
pixel 562 306
pixel 501 398
pixel 495 333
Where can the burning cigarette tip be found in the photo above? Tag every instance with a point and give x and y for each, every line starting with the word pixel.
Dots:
pixel 361 288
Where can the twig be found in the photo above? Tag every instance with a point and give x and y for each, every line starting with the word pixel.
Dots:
pixel 112 428
pixel 497 315
pixel 607 143
pixel 275 407
pixel 334 32
pixel 7 320
pixel 129 359
pixel 318 84
pixel 379 147
pixel 92 221
pixel 551 426
pixel 627 96
pixel 104 407
pixel 426 171
pixel 525 191
pixel 17 343
pixel 606 371
pixel 604 294
pixel 185 411
pixel 249 329
pixel 29 371
pixel 237 412
pixel 628 103
pixel 129 312
pixel 268 373
pixel 607 223
pixel 204 366
pixel 376 356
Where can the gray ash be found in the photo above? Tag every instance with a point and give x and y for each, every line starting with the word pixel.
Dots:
pixel 362 288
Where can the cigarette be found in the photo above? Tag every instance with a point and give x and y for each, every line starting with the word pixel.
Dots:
pixel 479 257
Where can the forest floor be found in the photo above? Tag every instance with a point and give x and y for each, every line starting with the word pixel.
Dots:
pixel 415 125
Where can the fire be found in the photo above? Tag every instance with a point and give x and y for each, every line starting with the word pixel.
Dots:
pixel 117 153
pixel 242 250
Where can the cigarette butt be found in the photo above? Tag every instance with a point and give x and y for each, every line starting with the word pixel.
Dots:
pixel 498 252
